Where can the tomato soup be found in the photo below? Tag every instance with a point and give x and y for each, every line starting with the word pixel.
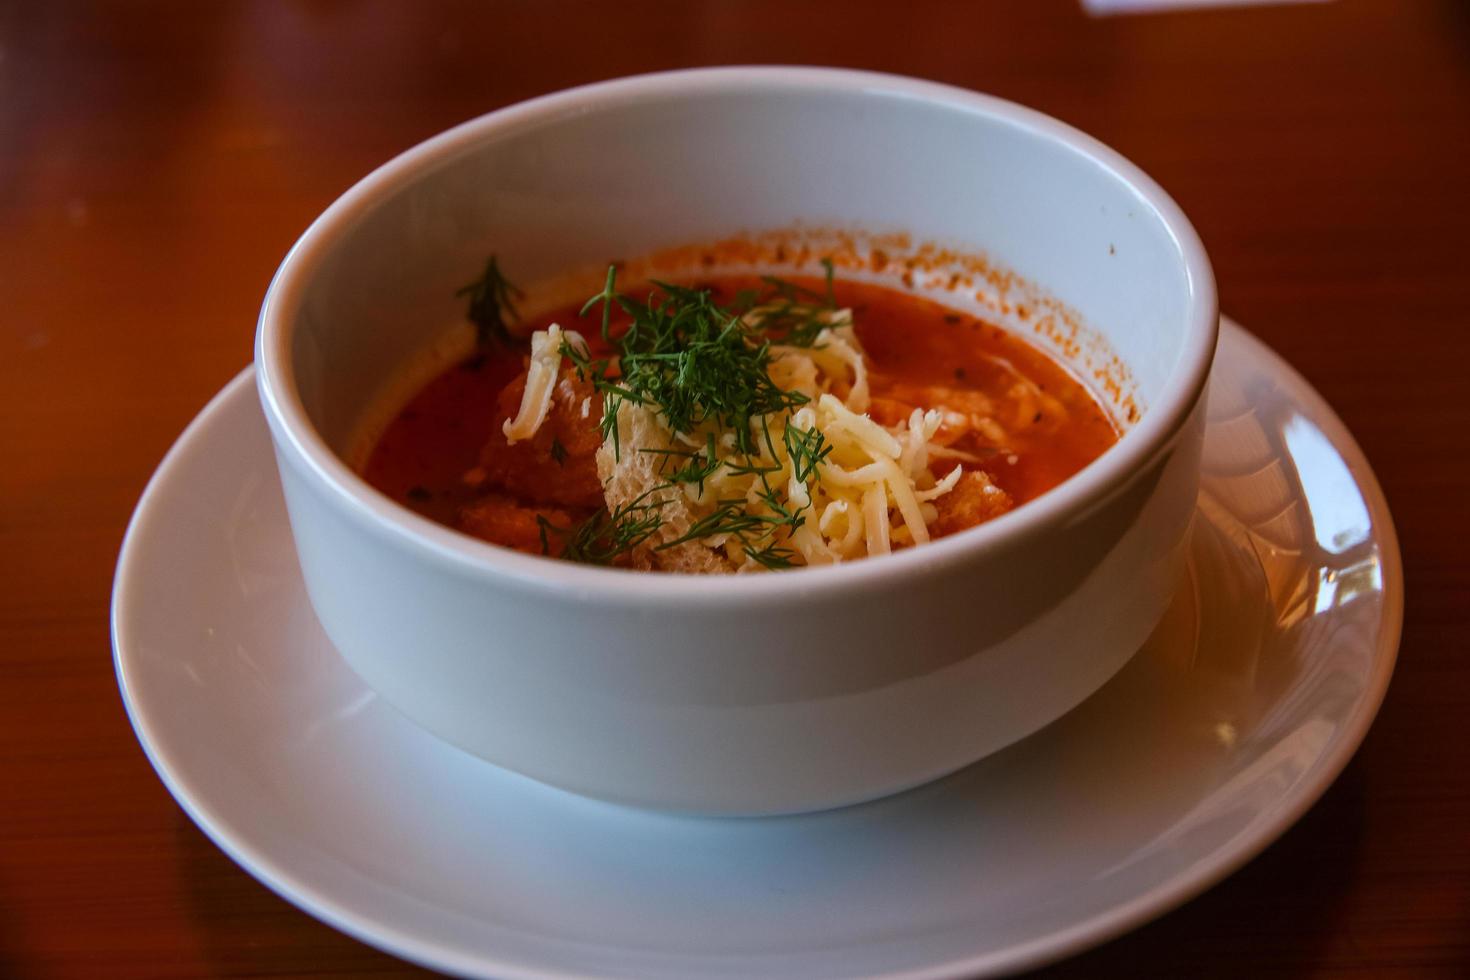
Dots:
pixel 998 423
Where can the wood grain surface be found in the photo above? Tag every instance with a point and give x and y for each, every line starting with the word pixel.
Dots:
pixel 157 160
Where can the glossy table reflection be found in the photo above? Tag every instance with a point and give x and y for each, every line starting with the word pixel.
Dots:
pixel 156 162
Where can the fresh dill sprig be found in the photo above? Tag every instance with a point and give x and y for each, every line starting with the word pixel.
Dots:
pixel 806 449
pixel 605 535
pixel 795 315
pixel 492 298
pixel 704 367
pixel 772 556
pixel 729 517
pixel 753 469
pixel 693 361
pixel 700 464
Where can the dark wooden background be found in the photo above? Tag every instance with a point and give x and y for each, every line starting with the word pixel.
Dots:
pixel 157 159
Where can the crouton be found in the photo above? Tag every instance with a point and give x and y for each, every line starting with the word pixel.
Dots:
pixel 627 474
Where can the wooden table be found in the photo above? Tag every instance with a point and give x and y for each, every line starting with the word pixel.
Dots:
pixel 156 161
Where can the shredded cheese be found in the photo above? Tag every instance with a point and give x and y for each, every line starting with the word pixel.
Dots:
pixel 870 493
pixel 541 377
pixel 871 490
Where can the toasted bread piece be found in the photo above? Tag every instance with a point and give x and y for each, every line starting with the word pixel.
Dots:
pixel 628 474
pixel 974 500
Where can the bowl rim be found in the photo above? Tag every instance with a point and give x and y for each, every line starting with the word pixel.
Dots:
pixel 299 442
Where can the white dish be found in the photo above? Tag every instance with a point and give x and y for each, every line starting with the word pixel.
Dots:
pixel 749 694
pixel 1238 713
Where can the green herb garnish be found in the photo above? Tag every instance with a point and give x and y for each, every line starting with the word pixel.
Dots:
pixel 604 536
pixel 772 556
pixel 807 448
pixel 703 367
pixel 695 362
pixel 491 300
pixel 699 465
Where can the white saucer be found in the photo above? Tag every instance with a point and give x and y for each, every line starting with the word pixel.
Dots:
pixel 1248 701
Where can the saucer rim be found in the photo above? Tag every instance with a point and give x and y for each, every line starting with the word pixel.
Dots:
pixel 1093 931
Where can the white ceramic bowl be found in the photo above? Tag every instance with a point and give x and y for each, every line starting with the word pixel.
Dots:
pixel 740 694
